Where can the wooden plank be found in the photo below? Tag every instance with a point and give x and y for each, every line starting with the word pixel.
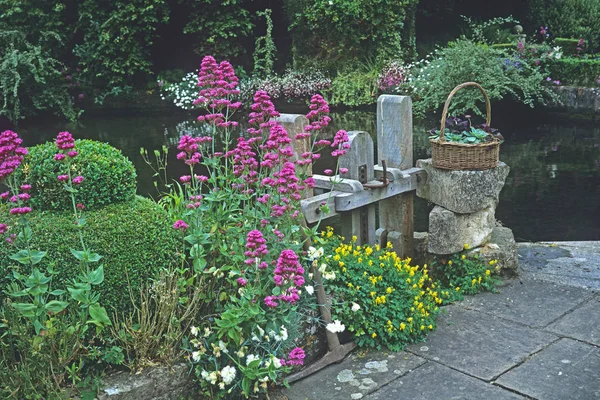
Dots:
pixel 395 146
pixel 311 207
pixel 346 185
pixel 295 124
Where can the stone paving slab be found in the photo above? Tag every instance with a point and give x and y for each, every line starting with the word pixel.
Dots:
pixel 480 344
pixel 434 381
pixel 571 263
pixel 359 374
pixel 582 324
pixel 567 369
pixel 530 302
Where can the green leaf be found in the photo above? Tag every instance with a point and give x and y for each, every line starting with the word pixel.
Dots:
pixel 96 277
pixel 26 257
pixel 199 264
pixel 25 309
pixel 98 315
pixel 78 254
pixel 78 295
pixel 56 306
pixel 276 291
pixel 93 257
pixel 57 292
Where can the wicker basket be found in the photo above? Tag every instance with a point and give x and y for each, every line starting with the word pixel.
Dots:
pixel 457 156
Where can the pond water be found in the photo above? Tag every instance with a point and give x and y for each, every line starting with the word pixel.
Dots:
pixel 551 193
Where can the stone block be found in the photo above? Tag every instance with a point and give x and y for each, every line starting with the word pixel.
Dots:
pixel 501 247
pixel 462 192
pixel 449 231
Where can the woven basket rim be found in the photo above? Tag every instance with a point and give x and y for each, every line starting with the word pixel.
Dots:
pixel 439 142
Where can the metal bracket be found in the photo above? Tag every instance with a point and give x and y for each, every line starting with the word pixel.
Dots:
pixel 383 179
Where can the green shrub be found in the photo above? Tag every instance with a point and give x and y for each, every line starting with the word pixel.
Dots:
pixel 355 88
pixel 568 46
pixel 575 71
pixel 134 238
pixel 499 73
pixel 109 177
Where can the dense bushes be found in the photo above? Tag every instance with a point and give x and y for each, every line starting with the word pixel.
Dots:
pixel 109 176
pixel 575 71
pixel 135 239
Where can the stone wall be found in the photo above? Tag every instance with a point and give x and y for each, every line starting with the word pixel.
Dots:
pixel 578 99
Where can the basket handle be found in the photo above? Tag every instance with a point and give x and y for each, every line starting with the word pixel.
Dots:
pixel 488 107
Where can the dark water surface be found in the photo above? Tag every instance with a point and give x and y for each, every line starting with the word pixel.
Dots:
pixel 551 193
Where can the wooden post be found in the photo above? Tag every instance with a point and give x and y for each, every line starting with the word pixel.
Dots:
pixel 395 146
pixel 359 160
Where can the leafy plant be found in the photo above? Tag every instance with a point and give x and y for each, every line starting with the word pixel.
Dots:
pixel 575 71
pixel 109 176
pixel 264 51
pixel 460 130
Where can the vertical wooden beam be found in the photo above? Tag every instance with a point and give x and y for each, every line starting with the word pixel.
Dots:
pixel 395 146
pixel 359 160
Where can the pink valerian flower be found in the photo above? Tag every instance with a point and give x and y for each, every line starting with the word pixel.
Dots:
pixel 242 281
pixel 189 149
pixel 271 301
pixel 341 143
pixel 59 156
pixel 72 153
pixel 11 153
pixel 343 170
pixel 262 115
pixel 25 187
pixel 78 180
pixel 80 206
pixel 63 178
pixel 288 274
pixel 65 141
pixel 218 82
pixel 296 357
pixel 180 225
pixel 318 116
pixel 3 229
pixel 5 195
pixel 256 247
pixel 328 172
pixel 244 161
pixel 20 210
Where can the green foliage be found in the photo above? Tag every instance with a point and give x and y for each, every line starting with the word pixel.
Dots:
pixel 134 237
pixel 115 49
pixel 109 177
pixel 495 30
pixel 219 26
pixel 568 19
pixel 381 299
pixel 462 274
pixel 464 61
pixel 30 80
pixel 264 51
pixel 356 87
pixel 575 71
pixel 341 31
pixel 569 46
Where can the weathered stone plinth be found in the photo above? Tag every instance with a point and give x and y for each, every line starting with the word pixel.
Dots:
pixel 501 247
pixel 449 231
pixel 462 192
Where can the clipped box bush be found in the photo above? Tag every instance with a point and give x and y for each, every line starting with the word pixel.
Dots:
pixel 575 71
pixel 109 176
pixel 134 238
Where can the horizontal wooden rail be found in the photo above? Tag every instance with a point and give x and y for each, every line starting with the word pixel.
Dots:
pixel 350 195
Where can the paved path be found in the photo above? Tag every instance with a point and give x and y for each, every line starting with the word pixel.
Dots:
pixel 539 338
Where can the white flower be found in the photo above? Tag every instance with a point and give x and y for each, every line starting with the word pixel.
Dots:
pixel 322 268
pixel 223 347
pixel 336 327
pixel 241 353
pixel 194 330
pixel 275 361
pixel 309 289
pixel 222 385
pixel 355 307
pixel 261 331
pixel 207 332
pixel 228 374
pixel 283 334
pixel 196 356
pixel 252 357
pixel 329 275
pixel 314 253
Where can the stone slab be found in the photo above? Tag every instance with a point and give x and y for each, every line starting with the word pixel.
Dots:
pixel 571 263
pixel 530 302
pixel 582 324
pixel 480 344
pixel 565 370
pixel 449 231
pixel 434 381
pixel 462 192
pixel 358 375
pixel 502 248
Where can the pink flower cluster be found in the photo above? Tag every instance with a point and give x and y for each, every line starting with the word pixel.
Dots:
pixel 218 83
pixel 318 116
pixel 341 143
pixel 189 146
pixel 257 248
pixel 296 357
pixel 18 199
pixel 11 153
pixel 65 143
pixel 262 115
pixel 289 272
pixel 180 225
